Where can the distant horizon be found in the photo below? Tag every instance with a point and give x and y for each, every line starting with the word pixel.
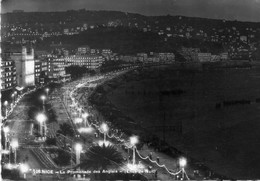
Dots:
pixel 231 20
pixel 239 10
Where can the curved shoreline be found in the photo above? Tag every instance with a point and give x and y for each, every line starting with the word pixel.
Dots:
pixel 129 126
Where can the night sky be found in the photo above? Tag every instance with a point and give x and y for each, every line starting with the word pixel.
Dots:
pixel 243 10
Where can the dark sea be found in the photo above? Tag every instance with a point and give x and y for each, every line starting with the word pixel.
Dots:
pixel 217 110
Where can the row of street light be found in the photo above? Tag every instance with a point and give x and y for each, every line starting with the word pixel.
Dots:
pixel 11 144
pixel 103 128
pixel 133 141
pixel 6 103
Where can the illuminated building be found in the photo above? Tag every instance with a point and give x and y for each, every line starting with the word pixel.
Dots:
pixel 8 72
pixel 37 70
pixel 89 61
pixel 83 50
pixel 56 70
pixel 24 63
pixel 40 70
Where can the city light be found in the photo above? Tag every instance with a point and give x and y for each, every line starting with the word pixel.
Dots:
pixel 182 162
pixel 85 115
pixel 78 149
pixel 47 90
pixel 5 152
pixel 78 120
pixel 106 143
pixel 24 168
pixel 135 167
pixel 9 166
pixel 104 127
pixel 133 140
pixel 86 130
pixel 6 129
pixel 41 118
pixel 43 97
pixel 6 104
pixel 14 145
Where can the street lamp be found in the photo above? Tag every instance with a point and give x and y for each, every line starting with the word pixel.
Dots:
pixel 6 104
pixel 47 91
pixel 182 163
pixel 104 128
pixel 78 148
pixel 41 118
pixel 133 141
pixel 14 144
pixel 6 131
pixel 43 98
pixel 85 116
pixel 24 168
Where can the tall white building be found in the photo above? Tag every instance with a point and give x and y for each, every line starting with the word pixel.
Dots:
pixel 24 63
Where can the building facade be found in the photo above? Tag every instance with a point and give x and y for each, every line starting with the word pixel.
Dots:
pixel 56 67
pixel 8 72
pixel 24 64
pixel 89 61
pixel 83 50
pixel 204 57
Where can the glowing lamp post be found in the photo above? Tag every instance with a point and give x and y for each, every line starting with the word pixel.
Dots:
pixel 41 118
pixel 6 104
pixel 85 116
pixel 12 100
pixel 78 149
pixel 47 91
pixel 104 128
pixel 43 98
pixel 182 163
pixel 6 131
pixel 24 169
pixel 133 141
pixel 14 144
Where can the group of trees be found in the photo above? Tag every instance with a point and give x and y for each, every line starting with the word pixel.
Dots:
pixel 78 71
pixel 110 66
pixel 66 130
pixel 63 158
pixel 101 157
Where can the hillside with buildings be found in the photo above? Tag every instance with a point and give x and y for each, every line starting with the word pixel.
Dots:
pixel 239 39
pixel 101 40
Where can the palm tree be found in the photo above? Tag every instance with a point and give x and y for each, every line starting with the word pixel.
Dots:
pixel 100 157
